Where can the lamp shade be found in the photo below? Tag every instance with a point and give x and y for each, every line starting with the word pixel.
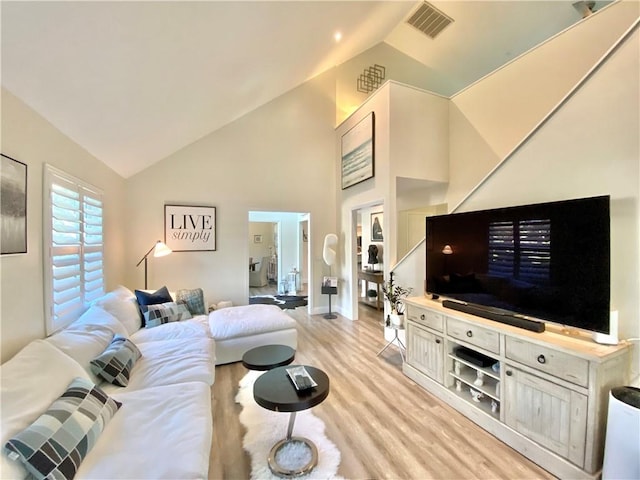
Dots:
pixel 447 250
pixel 161 249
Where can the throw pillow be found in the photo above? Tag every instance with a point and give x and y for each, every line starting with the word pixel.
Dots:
pixel 193 299
pixel 116 362
pixel 56 443
pixel 164 313
pixel 123 307
pixel 145 299
pixel 183 312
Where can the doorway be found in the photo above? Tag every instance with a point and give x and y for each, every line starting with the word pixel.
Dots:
pixel 368 230
pixel 280 243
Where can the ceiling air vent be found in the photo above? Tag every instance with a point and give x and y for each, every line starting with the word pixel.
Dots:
pixel 429 20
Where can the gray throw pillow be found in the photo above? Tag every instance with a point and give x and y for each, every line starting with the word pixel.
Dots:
pixel 193 299
pixel 116 362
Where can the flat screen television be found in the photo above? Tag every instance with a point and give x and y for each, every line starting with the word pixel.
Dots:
pixel 548 261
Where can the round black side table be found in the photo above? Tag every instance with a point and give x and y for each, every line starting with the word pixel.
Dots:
pixel 267 357
pixel 275 391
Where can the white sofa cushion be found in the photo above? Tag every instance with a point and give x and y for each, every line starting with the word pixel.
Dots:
pixel 57 442
pixel 88 337
pixel 248 320
pixel 122 306
pixel 159 433
pixel 196 327
pixel 31 381
pixel 97 317
pixel 171 362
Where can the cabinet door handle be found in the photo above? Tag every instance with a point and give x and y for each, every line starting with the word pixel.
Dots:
pixel 509 373
pixel 437 340
pixel 541 359
pixel 469 333
pixel 422 317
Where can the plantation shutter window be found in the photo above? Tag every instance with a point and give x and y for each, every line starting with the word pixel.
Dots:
pixel 520 249
pixel 74 273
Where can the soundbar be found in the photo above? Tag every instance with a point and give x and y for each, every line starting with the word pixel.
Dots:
pixel 497 315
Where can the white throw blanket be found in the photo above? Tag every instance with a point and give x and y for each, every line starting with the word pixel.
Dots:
pixel 248 320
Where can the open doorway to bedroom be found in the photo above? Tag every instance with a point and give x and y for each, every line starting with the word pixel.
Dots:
pixel 279 259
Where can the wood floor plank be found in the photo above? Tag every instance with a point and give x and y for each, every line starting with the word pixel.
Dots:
pixel 383 423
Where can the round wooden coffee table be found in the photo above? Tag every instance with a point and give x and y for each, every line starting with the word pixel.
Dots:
pixel 275 391
pixel 267 357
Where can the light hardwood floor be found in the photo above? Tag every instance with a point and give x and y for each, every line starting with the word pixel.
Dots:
pixel 384 424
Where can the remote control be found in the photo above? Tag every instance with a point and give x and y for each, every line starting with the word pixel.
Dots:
pixel 302 382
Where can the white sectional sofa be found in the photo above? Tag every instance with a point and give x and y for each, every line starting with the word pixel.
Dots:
pixel 163 426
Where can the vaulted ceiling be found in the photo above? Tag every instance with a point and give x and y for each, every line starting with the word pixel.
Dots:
pixel 133 82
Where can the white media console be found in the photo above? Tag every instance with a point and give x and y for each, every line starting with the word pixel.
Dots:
pixel 544 394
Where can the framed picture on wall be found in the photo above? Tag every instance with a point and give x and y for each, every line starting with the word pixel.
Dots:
pixel 376 227
pixel 257 239
pixel 190 228
pixel 13 206
pixel 358 152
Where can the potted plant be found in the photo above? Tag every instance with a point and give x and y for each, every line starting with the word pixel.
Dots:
pixel 394 294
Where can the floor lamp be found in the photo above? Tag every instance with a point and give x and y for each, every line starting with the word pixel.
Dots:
pixel 329 257
pixel 159 250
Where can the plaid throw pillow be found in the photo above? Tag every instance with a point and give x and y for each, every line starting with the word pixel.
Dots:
pixel 116 362
pixel 56 443
pixel 193 299
pixel 164 313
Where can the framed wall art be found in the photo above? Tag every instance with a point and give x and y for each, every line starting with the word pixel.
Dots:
pixel 13 206
pixel 190 228
pixel 376 227
pixel 257 239
pixel 358 152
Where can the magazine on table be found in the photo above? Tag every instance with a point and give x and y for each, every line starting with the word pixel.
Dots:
pixel 301 378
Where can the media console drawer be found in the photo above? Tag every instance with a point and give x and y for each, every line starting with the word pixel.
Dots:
pixel 425 317
pixel 473 334
pixel 559 364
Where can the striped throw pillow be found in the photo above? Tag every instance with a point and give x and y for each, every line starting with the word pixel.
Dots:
pixel 164 313
pixel 56 443
pixel 116 362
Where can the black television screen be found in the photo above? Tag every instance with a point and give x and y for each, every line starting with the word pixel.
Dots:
pixel 549 261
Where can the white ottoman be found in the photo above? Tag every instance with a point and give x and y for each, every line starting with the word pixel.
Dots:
pixel 239 329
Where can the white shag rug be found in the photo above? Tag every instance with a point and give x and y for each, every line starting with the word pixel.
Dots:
pixel 266 427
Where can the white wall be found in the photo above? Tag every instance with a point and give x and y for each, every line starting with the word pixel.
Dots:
pixel 372 192
pixel 491 117
pixel 411 141
pixel 589 147
pixel 278 158
pixel 267 247
pixel 28 137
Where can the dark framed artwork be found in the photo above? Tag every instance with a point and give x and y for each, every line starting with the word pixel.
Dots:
pixel 13 206
pixel 358 152
pixel 189 228
pixel 376 227
pixel 257 239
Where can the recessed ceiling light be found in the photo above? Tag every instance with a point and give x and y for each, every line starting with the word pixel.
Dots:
pixel 337 36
